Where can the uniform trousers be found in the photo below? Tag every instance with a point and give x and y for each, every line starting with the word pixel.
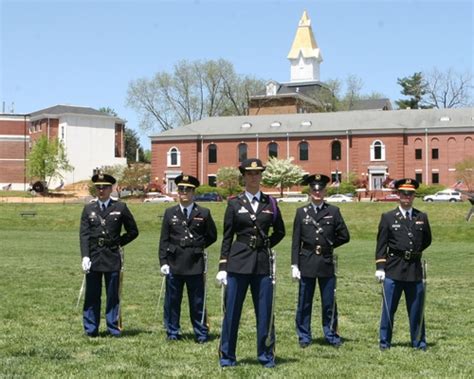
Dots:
pixel 261 288
pixel 172 305
pixel 307 287
pixel 414 296
pixel 92 301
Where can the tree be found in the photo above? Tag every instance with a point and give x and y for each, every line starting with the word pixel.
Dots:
pixel 136 176
pixel 109 111
pixel 229 178
pixel 465 172
pixel 449 89
pixel 414 86
pixel 132 144
pixel 47 160
pixel 281 173
pixel 193 90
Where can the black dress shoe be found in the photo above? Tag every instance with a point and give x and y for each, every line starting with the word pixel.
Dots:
pixel 304 344
pixel 173 338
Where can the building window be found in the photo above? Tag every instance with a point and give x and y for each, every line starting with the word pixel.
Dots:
pixel 242 152
pixel 419 177
pixel 174 157
pixel 434 153
pixel 336 150
pixel 418 154
pixel 211 180
pixel 304 153
pixel 434 178
pixel 273 150
pixel 377 151
pixel 212 150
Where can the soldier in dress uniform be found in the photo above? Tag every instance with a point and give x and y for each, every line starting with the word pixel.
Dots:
pixel 402 236
pixel 101 240
pixel 317 230
pixel 245 261
pixel 186 231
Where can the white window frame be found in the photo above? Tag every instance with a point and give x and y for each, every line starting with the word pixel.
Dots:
pixel 382 151
pixel 178 157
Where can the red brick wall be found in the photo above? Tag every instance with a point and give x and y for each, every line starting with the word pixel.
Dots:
pixel 399 154
pixel 11 127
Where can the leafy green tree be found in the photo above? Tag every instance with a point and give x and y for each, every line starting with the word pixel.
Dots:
pixel 109 111
pixel 229 179
pixel 281 173
pixel 465 172
pixel 47 160
pixel 132 144
pixel 414 86
pixel 136 176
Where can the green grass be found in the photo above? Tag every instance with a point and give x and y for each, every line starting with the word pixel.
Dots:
pixel 41 331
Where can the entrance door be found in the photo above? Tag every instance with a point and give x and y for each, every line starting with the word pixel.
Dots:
pixel 377 180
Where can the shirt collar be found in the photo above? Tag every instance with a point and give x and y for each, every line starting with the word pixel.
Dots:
pixel 258 195
pixel 404 211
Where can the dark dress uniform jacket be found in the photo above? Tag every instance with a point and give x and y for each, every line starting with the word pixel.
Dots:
pixel 237 256
pixel 399 238
pixel 314 238
pixel 100 234
pixel 183 241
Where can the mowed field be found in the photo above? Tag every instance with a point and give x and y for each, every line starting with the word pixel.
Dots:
pixel 41 330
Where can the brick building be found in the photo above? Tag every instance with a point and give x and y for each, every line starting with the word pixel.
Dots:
pixel 91 139
pixel 424 144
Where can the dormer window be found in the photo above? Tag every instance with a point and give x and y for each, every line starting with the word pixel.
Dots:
pixel 271 89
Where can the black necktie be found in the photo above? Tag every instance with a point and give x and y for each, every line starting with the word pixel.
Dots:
pixel 407 215
pixel 103 206
pixel 185 212
pixel 255 203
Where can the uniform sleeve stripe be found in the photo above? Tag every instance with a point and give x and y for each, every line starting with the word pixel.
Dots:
pixel 380 260
pixel 223 261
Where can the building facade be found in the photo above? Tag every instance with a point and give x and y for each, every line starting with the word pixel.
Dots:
pixel 424 144
pixel 91 139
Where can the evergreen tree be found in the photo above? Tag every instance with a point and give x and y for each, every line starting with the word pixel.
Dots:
pixel 415 87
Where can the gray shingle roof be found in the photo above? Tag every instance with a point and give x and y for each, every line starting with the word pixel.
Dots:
pixel 59 110
pixel 333 123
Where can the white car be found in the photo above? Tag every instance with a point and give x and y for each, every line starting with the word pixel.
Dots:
pixel 159 198
pixel 293 198
pixel 338 198
pixel 446 195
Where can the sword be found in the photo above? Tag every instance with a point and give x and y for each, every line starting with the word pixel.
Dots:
pixel 272 259
pixel 331 325
pixel 81 291
pixel 422 318
pixel 384 303
pixel 205 288
pixel 122 257
pixel 159 296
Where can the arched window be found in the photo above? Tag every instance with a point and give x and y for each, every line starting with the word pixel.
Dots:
pixel 242 152
pixel 212 150
pixel 377 151
pixel 304 151
pixel 273 150
pixel 336 151
pixel 174 157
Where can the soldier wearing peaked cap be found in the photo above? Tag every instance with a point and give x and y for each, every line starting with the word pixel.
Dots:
pixel 245 261
pixel 101 241
pixel 186 231
pixel 402 236
pixel 318 229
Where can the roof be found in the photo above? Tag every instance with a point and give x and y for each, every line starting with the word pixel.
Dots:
pixel 381 104
pixel 294 88
pixel 61 110
pixel 330 123
pixel 304 41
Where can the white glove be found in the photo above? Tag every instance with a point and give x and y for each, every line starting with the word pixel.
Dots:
pixel 165 269
pixel 380 275
pixel 221 278
pixel 295 273
pixel 86 265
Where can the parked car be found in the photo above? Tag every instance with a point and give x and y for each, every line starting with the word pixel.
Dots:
pixel 158 198
pixel 446 195
pixel 339 198
pixel 293 198
pixel 208 196
pixel 390 197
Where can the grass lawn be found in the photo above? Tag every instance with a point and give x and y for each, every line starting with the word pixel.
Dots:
pixel 41 331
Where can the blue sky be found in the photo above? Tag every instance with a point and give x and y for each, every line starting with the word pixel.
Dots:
pixel 86 52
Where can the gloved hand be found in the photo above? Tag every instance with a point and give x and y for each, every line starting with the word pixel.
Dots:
pixel 221 278
pixel 86 265
pixel 380 275
pixel 295 272
pixel 165 269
